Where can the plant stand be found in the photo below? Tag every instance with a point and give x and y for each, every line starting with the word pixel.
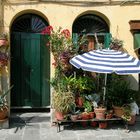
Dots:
pixel 70 122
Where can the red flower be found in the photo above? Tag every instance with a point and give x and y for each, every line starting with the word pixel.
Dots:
pixel 54 64
pixel 47 30
pixel 66 33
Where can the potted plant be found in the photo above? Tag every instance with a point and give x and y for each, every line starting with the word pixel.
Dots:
pixel 63 102
pixel 75 114
pixel 116 43
pixel 119 94
pixel 102 125
pixel 3 39
pixel 4 104
pixel 4 57
pixel 100 112
pixel 82 85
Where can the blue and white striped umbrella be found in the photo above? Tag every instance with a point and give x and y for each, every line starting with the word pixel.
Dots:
pixel 107 61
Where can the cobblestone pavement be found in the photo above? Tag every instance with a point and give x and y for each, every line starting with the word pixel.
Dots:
pixel 36 126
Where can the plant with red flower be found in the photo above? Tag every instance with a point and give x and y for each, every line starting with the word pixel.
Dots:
pixel 59 40
pixel 61 45
pixel 66 33
pixel 47 30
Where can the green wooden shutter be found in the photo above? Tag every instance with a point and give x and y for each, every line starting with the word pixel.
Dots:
pixel 75 40
pixel 136 41
pixel 107 39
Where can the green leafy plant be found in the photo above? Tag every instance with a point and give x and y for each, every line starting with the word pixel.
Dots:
pixel 83 84
pixel 60 41
pixel 118 91
pixel 3 100
pixel 127 113
pixel 88 106
pixel 63 101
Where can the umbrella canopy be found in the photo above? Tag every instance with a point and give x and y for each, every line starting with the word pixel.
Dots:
pixel 107 61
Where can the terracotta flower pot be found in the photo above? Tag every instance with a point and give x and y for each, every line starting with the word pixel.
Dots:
pixel 91 115
pixel 93 124
pixel 133 120
pixel 3 113
pixel 84 124
pixel 74 117
pixel 102 125
pixel 3 42
pixel 59 116
pixel 85 116
pixel 118 111
pixel 109 116
pixel 100 113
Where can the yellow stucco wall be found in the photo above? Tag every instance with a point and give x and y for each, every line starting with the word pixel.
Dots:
pixel 117 17
pixel 64 14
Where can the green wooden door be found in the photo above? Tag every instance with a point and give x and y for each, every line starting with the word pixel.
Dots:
pixel 30 71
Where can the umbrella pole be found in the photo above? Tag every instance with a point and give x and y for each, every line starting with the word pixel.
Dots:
pixel 104 94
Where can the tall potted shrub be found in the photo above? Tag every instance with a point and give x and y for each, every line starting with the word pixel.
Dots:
pixel 119 94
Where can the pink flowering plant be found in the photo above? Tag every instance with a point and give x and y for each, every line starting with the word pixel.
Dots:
pixel 59 40
pixel 61 45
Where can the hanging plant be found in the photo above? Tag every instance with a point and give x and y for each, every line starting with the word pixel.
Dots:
pixel 116 43
pixel 3 59
pixel 3 39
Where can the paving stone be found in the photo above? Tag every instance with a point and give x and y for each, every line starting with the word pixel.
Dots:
pixel 17 130
pixel 31 132
pixel 32 126
pixel 31 137
pixel 38 129
pixel 131 138
pixel 105 132
pixel 3 133
pixel 72 138
pixel 13 137
pixel 46 125
pixel 86 137
pixel 83 131
pixel 50 137
pixel 108 138
pixel 67 133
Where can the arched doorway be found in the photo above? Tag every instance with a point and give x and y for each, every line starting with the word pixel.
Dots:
pixel 92 24
pixel 30 63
